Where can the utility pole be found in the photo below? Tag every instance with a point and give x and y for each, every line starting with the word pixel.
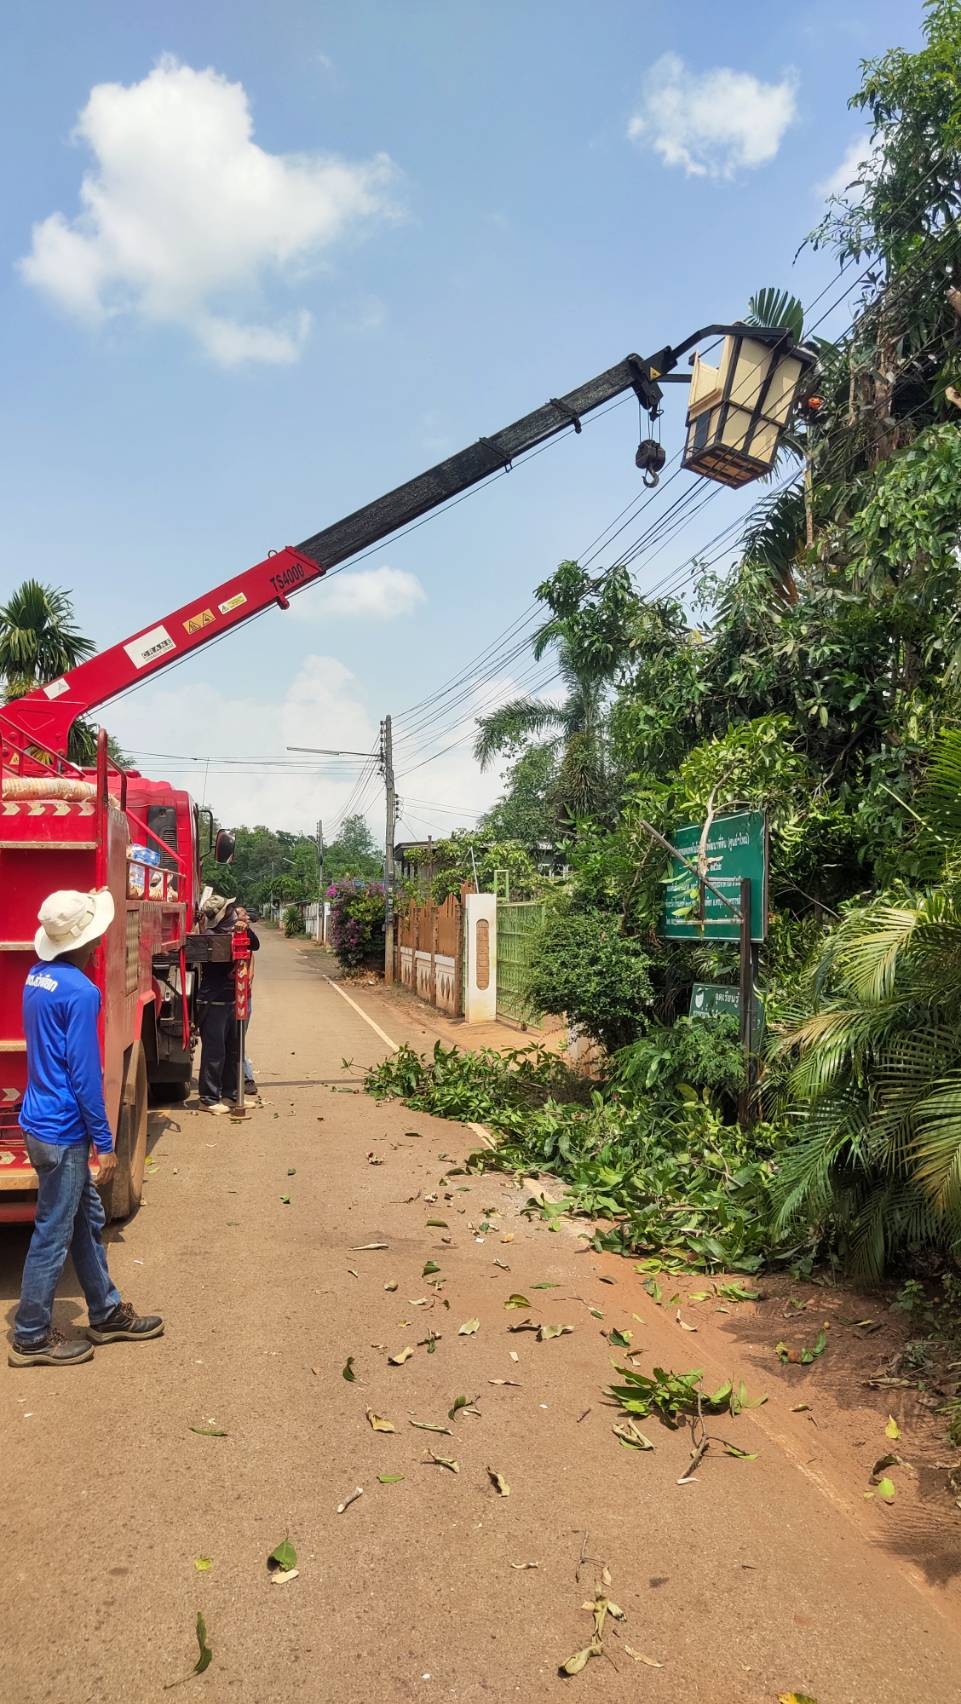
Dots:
pixel 387 755
pixel 320 856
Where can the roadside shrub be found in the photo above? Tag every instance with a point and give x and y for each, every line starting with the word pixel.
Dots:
pixel 294 921
pixel 356 921
pixel 689 1054
pixel 583 966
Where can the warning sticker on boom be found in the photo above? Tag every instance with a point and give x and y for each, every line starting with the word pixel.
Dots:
pixel 232 603
pixel 149 646
pixel 203 618
pixel 54 688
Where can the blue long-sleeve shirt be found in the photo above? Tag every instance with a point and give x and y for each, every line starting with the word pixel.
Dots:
pixel 63 1102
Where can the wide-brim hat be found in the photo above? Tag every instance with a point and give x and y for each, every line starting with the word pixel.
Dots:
pixel 217 908
pixel 69 920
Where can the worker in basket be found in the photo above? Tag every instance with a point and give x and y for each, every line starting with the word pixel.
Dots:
pixel 63 1114
pixel 219 1029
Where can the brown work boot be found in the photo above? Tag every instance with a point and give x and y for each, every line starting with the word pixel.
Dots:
pixel 125 1325
pixel 54 1350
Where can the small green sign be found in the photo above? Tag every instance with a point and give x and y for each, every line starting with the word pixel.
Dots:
pixel 736 847
pixel 710 998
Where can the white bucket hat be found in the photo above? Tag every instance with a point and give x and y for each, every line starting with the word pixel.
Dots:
pixel 69 920
pixel 216 908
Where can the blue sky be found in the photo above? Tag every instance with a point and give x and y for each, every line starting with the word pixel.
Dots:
pixel 442 215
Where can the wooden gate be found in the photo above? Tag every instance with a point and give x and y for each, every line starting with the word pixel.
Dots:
pixel 518 921
pixel 430 947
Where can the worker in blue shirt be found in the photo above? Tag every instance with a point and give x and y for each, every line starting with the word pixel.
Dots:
pixel 63 1113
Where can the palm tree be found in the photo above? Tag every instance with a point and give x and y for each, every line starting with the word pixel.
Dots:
pixel 38 642
pixel 575 728
pixel 877 1060
pixel 38 638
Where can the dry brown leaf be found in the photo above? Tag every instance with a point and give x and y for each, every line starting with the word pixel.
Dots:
pixel 399 1359
pixel 639 1657
pixel 520 1566
pixel 445 1461
pixel 280 1576
pixel 499 1482
pixel 426 1426
pixel 358 1491
pixel 546 1332
pixel 378 1423
pixel 469 1327
pixel 683 1322
pixel 578 1661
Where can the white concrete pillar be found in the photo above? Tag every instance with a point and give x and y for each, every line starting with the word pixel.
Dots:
pixel 480 958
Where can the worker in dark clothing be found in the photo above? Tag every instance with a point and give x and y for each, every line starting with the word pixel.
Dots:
pixel 219 1039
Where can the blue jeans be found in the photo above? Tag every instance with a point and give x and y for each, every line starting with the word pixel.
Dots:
pixel 70 1219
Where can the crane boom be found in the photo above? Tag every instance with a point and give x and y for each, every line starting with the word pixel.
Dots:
pixel 46 714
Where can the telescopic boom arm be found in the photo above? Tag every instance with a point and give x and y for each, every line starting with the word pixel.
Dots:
pixel 46 714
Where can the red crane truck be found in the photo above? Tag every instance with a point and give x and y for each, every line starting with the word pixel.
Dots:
pixel 62 826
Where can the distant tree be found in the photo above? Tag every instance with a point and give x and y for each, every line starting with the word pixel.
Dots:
pixel 39 640
pixel 354 852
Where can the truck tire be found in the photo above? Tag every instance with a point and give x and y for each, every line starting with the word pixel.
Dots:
pixel 125 1190
pixel 170 1092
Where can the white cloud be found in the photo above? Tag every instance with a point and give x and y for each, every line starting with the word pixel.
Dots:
pixel 369 594
pixel 185 218
pixel 712 123
pixel 858 153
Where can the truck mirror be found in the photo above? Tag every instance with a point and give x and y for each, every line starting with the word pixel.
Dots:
pixel 224 846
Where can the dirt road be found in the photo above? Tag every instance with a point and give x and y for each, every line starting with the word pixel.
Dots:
pixel 758 1578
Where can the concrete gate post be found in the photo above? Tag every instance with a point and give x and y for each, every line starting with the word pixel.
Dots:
pixel 480 958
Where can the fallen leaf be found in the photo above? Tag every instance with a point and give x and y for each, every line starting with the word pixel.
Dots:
pixel 596 1313
pixel 518 1301
pixel 795 1698
pixel 378 1423
pixel 742 1455
pixel 801 1408
pixel 280 1576
pixel 620 1339
pixel 206 1654
pixel 286 1200
pixel 466 1402
pixel 374 1159
pixel 438 1224
pixel 389 1478
pixel 203 1564
pixel 545 1286
pixel 577 1662
pixel 696 1296
pixel 683 1323
pixel 892 1429
pixel 444 1461
pixel 209 1432
pixel 283 1556
pixel 502 1264
pixel 430 1267
pixel 520 1566
pixel 392 1285
pixel 431 1341
pixel 353 1271
pixel 358 1491
pixel 514 1355
pixel 425 1426
pixel 420 1301
pixel 887 1490
pixel 469 1327
pixel 602 1279
pixel 399 1359
pixel 358 1248
pixel 347 1372
pixel 291 1171
pixel 639 1657
pixel 546 1332
pixel 513 1382
pixel 498 1480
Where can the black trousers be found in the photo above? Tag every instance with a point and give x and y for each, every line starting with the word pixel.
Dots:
pixel 219 1052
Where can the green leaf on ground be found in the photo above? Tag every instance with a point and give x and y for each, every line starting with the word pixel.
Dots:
pixel 389 1478
pixel 892 1429
pixel 546 1332
pixel 283 1556
pixel 203 1564
pixel 444 1461
pixel 209 1432
pixel 577 1662
pixel 620 1339
pixel 654 1290
pixel 378 1423
pixel 347 1371
pixel 206 1656
pixel 632 1437
pixel 887 1490
pixel 469 1327
pixel 430 1267
pixel 459 1403
pixel 426 1426
pixel 291 1171
pixel 739 1293
pixel 286 1200
pixel 545 1286
pixel 519 1301
pixel 439 1224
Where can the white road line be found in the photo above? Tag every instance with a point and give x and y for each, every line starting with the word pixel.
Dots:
pixel 393 1045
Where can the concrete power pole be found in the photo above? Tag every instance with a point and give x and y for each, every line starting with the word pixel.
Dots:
pixel 388 760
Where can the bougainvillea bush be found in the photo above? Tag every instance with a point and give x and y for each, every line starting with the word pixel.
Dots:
pixel 356 930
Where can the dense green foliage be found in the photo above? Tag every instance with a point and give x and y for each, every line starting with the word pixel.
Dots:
pixel 39 641
pixel 583 966
pixel 356 930
pixel 274 865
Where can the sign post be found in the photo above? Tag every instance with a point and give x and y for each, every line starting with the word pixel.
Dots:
pixel 745 1003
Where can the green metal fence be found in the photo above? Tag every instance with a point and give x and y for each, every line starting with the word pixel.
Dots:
pixel 518 921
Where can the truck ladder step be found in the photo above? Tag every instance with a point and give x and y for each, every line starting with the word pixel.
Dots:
pixel 16 947
pixel 13 1047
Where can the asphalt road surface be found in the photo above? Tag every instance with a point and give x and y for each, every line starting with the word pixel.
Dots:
pixel 760 1577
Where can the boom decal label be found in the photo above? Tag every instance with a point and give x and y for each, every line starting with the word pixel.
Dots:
pixel 149 646
pixel 55 688
pixel 232 603
pixel 203 618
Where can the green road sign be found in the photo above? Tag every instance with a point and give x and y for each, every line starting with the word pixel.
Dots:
pixel 736 847
pixel 710 998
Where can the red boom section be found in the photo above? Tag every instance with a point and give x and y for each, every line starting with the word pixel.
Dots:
pixel 47 714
